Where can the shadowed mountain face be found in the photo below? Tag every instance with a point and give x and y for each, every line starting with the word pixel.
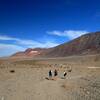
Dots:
pixel 86 44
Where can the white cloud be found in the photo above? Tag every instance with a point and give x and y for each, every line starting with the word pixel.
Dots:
pixel 29 43
pixel 7 38
pixel 9 49
pixel 48 44
pixel 21 44
pixel 71 34
pixel 33 44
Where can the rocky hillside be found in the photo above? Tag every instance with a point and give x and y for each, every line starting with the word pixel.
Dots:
pixel 86 44
pixel 29 52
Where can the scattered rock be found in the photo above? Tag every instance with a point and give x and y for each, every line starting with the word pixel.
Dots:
pixel 12 71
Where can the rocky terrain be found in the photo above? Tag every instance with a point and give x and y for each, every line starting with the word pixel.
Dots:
pixel 27 79
pixel 86 44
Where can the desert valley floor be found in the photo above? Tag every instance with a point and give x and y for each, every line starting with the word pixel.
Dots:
pixel 27 79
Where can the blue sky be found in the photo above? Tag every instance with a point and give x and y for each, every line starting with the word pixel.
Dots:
pixel 45 23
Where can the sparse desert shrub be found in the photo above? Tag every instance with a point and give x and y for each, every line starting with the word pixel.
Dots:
pixel 12 71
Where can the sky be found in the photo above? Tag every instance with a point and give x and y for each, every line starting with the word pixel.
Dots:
pixel 45 23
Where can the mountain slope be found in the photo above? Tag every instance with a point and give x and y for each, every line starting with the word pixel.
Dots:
pixel 86 44
pixel 30 52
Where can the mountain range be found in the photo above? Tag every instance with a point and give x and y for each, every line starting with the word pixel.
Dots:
pixel 84 45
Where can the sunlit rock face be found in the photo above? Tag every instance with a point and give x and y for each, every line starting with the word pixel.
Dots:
pixel 29 52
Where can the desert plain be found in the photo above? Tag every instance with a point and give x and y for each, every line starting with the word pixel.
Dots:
pixel 27 79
